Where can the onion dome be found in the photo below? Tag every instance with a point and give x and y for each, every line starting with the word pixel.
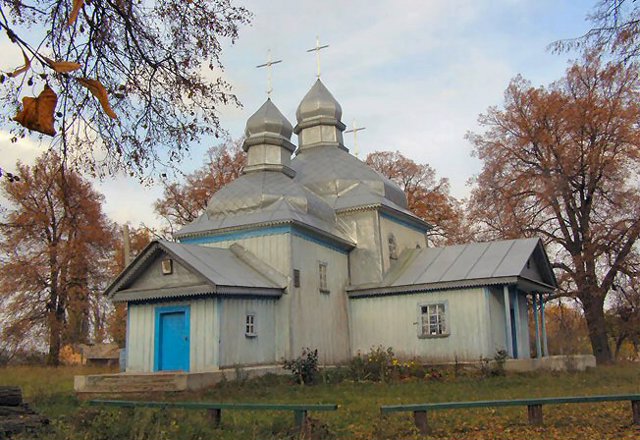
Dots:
pixel 268 121
pixel 318 117
pixel 267 141
pixel 318 103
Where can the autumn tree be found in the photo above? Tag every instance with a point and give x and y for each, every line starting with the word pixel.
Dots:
pixel 623 314
pixel 121 84
pixel 184 202
pixel 561 162
pixel 427 196
pixel 54 245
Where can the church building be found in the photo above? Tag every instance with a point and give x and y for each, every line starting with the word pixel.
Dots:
pixel 310 247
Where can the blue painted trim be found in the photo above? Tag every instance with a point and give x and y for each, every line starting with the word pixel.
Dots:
pixel 263 232
pixel 403 222
pixel 318 240
pixel 159 311
pixel 238 235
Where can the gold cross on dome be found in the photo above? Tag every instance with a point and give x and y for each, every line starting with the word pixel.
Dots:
pixel 317 51
pixel 268 65
pixel 355 131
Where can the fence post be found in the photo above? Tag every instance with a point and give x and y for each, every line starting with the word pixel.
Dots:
pixel 535 414
pixel 420 419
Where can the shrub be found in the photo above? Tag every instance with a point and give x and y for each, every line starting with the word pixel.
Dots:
pixel 304 368
pixel 376 365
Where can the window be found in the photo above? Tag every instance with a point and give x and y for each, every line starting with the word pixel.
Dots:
pixel 167 266
pixel 250 325
pixel 393 247
pixel 433 322
pixel 322 271
pixel 296 277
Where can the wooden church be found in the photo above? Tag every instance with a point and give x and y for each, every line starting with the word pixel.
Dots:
pixel 320 251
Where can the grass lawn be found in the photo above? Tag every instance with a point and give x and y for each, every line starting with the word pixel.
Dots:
pixel 51 392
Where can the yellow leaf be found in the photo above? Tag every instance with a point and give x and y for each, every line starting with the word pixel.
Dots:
pixel 97 89
pixel 21 70
pixel 37 113
pixel 75 10
pixel 62 66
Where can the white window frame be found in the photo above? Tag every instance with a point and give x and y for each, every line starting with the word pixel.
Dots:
pixel 323 284
pixel 440 327
pixel 250 325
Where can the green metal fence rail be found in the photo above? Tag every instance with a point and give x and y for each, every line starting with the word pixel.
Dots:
pixel 534 406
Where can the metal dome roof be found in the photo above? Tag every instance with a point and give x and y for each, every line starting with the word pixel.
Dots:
pixel 266 197
pixel 318 103
pixel 268 120
pixel 344 181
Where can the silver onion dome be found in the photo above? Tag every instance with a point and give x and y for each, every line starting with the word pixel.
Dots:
pixel 268 120
pixel 318 103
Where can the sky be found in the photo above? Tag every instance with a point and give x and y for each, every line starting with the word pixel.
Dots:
pixel 415 73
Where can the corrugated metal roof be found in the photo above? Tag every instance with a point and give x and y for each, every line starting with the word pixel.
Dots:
pixel 468 265
pixel 223 269
pixel 219 266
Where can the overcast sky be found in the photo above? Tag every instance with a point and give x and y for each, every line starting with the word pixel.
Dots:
pixel 415 73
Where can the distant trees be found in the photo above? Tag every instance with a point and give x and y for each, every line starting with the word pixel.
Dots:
pixel 55 243
pixel 427 196
pixel 184 202
pixel 562 163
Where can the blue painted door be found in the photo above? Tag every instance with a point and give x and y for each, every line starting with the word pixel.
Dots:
pixel 173 340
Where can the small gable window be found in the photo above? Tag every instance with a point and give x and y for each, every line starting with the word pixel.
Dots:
pixel 393 247
pixel 322 273
pixel 250 325
pixel 167 266
pixel 433 320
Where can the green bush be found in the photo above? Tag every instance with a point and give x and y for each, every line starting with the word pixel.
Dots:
pixel 376 366
pixel 304 368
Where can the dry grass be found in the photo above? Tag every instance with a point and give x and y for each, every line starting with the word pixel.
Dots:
pixel 358 417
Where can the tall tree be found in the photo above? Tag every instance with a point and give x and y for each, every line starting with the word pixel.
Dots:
pixel 427 196
pixel 126 85
pixel 54 243
pixel 184 202
pixel 561 163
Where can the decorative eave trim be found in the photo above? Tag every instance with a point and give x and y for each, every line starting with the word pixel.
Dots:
pixel 405 219
pixel 370 291
pixel 141 295
pixel 270 228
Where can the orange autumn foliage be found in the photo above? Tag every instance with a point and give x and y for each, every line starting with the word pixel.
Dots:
pixel 54 240
pixel 561 163
pixel 427 196
pixel 184 202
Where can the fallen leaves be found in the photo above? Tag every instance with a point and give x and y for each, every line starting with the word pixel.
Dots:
pixel 37 113
pixel 97 89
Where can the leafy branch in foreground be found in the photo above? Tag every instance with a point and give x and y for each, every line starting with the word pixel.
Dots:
pixel 136 82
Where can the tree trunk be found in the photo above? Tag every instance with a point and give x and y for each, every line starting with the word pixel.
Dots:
pixel 593 306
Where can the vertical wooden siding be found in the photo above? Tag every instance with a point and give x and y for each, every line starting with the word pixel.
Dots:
pixel 203 340
pixel 392 321
pixel 236 348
